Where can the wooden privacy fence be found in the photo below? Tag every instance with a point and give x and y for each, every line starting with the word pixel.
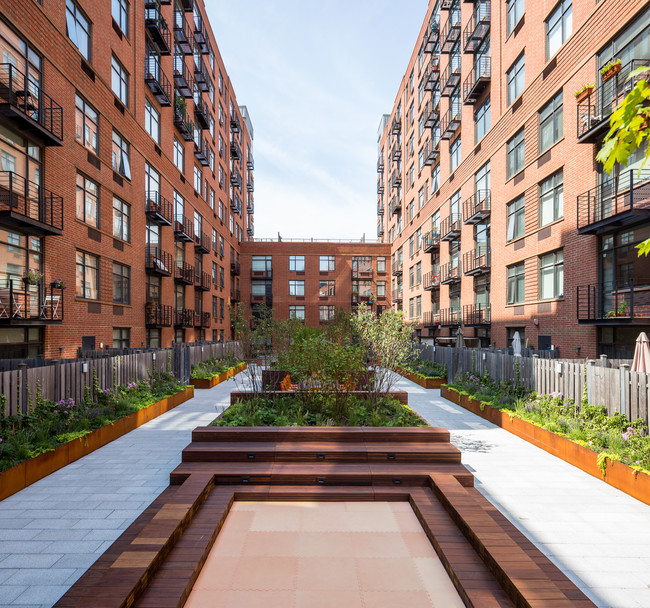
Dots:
pixel 76 379
pixel 609 382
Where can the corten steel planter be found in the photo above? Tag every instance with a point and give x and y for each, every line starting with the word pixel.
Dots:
pixel 617 474
pixel 401 396
pixel 421 380
pixel 584 94
pixel 26 473
pixel 272 379
pixel 609 74
pixel 218 378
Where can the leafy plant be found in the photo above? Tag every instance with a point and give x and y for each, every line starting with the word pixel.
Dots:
pixel 583 88
pixel 608 66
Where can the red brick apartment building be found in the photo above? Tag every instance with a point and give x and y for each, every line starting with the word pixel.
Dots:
pixel 310 280
pixel 126 175
pixel 499 217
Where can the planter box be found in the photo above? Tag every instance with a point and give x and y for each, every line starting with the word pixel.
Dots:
pixel 26 473
pixel 272 379
pixel 401 396
pixel 421 380
pixel 584 94
pixel 217 379
pixel 609 74
pixel 617 474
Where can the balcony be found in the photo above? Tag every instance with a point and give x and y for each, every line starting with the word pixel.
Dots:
pixel 201 113
pixel 431 279
pixel 235 125
pixel 380 185
pixel 235 295
pixel 395 206
pixel 398 295
pixel 250 229
pixel 431 114
pixel 202 152
pixel 450 317
pixel 476 262
pixel 359 298
pixel 201 39
pixel 182 121
pixel 397 268
pixel 380 229
pixel 477 207
pixel 202 242
pixel 432 75
pixel 380 208
pixel 450 227
pixel 250 163
pixel 186 5
pixel 619 201
pixel 445 5
pixel 29 206
pixel 235 204
pixel 158 262
pixel 396 179
pixel 250 205
pixel 158 209
pixel 202 281
pixel 30 108
pixel 477 80
pixel 183 229
pixel 156 80
pixel 380 165
pixel 235 178
pixel 201 76
pixel 183 33
pixel 396 126
pixel 266 299
pixel 477 28
pixel 450 122
pixel 23 304
pixel 361 272
pixel 266 274
pixel 431 319
pixel 396 152
pixel 450 77
pixel 235 150
pixel 615 303
pixel 202 319
pixel 431 37
pixel 184 273
pixel 450 34
pixel 431 152
pixel 182 77
pixel 431 241
pixel 449 273
pixel 158 316
pixel 157 27
pixel 594 111
pixel 183 317
pixel 476 315
pixel 235 268
pixel 250 184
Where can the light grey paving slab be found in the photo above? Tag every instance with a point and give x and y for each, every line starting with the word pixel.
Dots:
pixel 30 560
pixel 8 593
pixel 45 576
pixel 40 594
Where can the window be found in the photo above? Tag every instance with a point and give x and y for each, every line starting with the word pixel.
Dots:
pixel 418 306
pixel 515 154
pixel 198 179
pixel 87 276
pixel 151 120
pixel 551 275
pixel 482 120
pixel 326 263
pixel 381 264
pixel 120 12
pixel 119 81
pixel 550 123
pixel 515 9
pixel 77 28
pixel 120 156
pixel 515 227
pixel 87 201
pixel 121 337
pixel 558 27
pixel 435 179
pixel 411 276
pixel 179 155
pixel 326 313
pixel 86 125
pixel 516 285
pixel 418 273
pixel 454 154
pixel 326 289
pixel 121 216
pixel 411 243
pixel 516 79
pixel 551 192
pixel 296 288
pixel 297 263
pixel 381 289
pixel 121 284
pixel 418 239
pixel 297 312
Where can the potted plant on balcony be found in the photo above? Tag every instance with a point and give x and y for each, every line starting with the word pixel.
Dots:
pixel 58 284
pixel 180 105
pixel 610 70
pixel 32 277
pixel 584 92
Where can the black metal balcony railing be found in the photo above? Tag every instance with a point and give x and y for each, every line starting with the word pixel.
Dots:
pixel 396 152
pixel 380 186
pixel 431 113
pixel 183 317
pixel 235 125
pixel 156 80
pixel 23 304
pixel 184 273
pixel 431 37
pixel 450 77
pixel 202 281
pixel 182 121
pixel 33 109
pixel 201 74
pixel 477 27
pixel 158 316
pixel 202 319
pixel 450 122
pixel 266 299
pixel 476 262
pixel 202 151
pixel 250 206
pixel 202 242
pixel 201 113
pixel 357 298
pixel 183 78
pixel 431 318
pixel 159 209
pixel 235 295
pixel 380 208
pixel 201 39
pixel 235 204
pixel 380 229
pixel 396 179
pixel 431 241
pixel 450 227
pixel 450 317
pixel 621 200
pixel 183 33
pixel 186 5
pixel 397 268
pixel 614 302
pixel 432 75
pixel 235 178
pixel 450 273
pixel 476 314
pixel 157 27
pixel 398 295
pixel 477 80
pixel 250 163
pixel 183 229
pixel 250 230
pixel 235 150
pixel 477 207
pixel 431 152
pixel 380 165
pixel 250 184
pixel 396 126
pixel 29 206
pixel 395 206
pixel 431 280
pixel 235 268
pixel 157 261
pixel 594 111
pixel 450 34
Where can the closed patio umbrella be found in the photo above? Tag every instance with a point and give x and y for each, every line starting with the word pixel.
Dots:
pixel 641 361
pixel 516 345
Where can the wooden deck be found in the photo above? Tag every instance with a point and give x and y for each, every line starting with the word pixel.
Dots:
pixel 158 558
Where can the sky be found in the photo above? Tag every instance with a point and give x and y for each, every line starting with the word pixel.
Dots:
pixel 316 78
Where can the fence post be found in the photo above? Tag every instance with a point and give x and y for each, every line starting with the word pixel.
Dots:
pixel 603 360
pixel 625 390
pixel 591 364
pixel 534 382
pixel 449 374
pixel 57 380
pixel 23 406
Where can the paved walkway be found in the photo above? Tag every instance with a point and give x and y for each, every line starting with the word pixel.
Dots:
pixel 51 532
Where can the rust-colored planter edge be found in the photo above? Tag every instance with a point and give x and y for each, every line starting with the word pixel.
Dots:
pixel 17 478
pixel 617 474
pixel 204 383
pixel 421 380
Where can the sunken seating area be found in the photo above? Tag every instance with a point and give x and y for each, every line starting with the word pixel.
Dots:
pixel 159 557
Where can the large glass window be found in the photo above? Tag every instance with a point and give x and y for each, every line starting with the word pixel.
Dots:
pixel 179 155
pixel 515 10
pixel 381 263
pixel 454 154
pixel 297 312
pixel 482 120
pixel 326 263
pixel 326 313
pixel 297 263
pixel 551 194
pixel 121 284
pixel 119 81
pixel 87 201
pixel 516 77
pixel 550 123
pixel 18 253
pixel 326 289
pixel 86 125
pixel 121 155
pixel 516 284
pixel 121 220
pixel 515 222
pixel 515 154
pixel 558 27
pixel 120 12
pixel 77 28
pixel 296 288
pixel 261 263
pixel 121 337
pixel 87 276
pixel 551 275
pixel 151 120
